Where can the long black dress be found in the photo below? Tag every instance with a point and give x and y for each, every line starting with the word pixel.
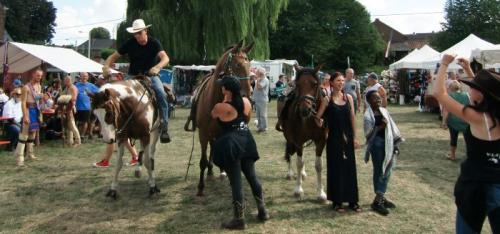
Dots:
pixel 341 179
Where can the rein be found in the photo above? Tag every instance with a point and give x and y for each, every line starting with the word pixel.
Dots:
pixel 227 66
pixel 122 129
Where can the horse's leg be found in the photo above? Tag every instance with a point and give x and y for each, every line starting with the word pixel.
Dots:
pixel 149 151
pixel 299 192
pixel 320 145
pixel 288 155
pixel 203 166
pixel 210 165
pixel 119 163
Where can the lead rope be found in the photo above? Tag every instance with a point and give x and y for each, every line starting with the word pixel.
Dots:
pixel 119 131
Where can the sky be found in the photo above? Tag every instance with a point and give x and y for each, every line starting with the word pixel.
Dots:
pixel 71 14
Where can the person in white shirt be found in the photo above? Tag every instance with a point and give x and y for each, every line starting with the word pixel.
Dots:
pixel 12 109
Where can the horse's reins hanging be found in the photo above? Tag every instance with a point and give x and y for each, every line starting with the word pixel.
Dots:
pixel 120 131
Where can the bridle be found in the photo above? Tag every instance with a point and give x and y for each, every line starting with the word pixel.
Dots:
pixel 227 67
pixel 314 99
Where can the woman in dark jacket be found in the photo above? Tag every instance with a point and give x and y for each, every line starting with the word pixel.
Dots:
pixel 235 150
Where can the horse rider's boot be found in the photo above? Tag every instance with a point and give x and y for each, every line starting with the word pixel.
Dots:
pixel 29 149
pixel 21 144
pixel 238 221
pixel 261 207
pixel 164 136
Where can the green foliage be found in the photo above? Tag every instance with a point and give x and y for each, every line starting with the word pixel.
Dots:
pixel 329 31
pixel 99 33
pixel 105 53
pixel 195 32
pixel 32 23
pixel 463 17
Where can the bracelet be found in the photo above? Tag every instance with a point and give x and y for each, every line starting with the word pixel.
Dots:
pixel 445 64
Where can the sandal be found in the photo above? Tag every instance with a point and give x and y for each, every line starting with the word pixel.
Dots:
pixel 338 207
pixel 355 207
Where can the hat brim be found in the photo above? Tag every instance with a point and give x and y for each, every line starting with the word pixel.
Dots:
pixel 476 86
pixel 135 30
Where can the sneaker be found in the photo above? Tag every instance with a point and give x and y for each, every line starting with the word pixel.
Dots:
pixel 103 163
pixel 133 161
pixel 388 204
pixel 378 206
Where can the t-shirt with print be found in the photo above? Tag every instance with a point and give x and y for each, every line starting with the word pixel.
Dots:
pixel 142 57
pixel 352 87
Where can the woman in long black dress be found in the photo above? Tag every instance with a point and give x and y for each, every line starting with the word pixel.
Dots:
pixel 341 179
pixel 235 150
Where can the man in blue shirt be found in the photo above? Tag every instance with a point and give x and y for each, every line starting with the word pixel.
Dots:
pixel 83 101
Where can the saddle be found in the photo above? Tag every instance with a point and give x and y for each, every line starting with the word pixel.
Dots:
pixel 146 83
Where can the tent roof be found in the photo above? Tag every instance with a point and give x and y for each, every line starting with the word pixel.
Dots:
pixel 463 49
pixel 489 55
pixel 195 67
pixel 24 57
pixel 415 58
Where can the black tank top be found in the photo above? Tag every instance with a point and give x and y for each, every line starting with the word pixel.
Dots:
pixel 239 123
pixel 483 159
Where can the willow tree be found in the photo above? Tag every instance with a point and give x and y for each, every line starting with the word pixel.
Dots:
pixel 197 31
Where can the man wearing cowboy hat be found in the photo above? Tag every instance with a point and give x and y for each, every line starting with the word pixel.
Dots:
pixel 12 109
pixel 143 52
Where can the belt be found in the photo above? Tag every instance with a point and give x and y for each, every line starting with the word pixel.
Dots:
pixel 31 105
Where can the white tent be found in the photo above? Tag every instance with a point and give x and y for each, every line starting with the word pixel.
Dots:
pixel 487 56
pixel 24 57
pixel 462 49
pixel 414 59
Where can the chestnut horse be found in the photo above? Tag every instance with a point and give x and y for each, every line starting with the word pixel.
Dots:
pixel 299 126
pixel 233 62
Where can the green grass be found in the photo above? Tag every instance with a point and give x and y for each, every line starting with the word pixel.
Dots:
pixel 63 193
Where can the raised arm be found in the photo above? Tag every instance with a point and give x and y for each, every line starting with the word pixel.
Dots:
pixel 110 60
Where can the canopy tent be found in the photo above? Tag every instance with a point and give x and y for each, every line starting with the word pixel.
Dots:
pixel 462 49
pixel 24 57
pixel 195 67
pixel 487 56
pixel 414 59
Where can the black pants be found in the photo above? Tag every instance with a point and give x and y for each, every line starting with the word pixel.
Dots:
pixel 234 173
pixel 453 136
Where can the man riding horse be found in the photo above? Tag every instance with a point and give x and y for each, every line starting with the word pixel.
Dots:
pixel 143 52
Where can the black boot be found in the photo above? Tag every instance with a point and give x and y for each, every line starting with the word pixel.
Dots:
pixel 261 207
pixel 164 136
pixel 378 205
pixel 388 204
pixel 238 221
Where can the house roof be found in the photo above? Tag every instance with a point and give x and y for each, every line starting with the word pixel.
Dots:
pixel 98 44
pixel 386 30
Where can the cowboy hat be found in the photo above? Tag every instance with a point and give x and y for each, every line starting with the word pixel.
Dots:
pixel 137 26
pixel 486 82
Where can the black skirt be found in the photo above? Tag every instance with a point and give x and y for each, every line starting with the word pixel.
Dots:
pixel 232 146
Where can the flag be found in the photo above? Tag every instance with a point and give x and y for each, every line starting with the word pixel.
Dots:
pixel 388 45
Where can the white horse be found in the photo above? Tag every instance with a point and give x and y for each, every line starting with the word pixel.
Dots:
pixel 125 111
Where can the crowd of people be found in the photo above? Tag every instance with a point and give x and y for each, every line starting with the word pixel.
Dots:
pixel 476 115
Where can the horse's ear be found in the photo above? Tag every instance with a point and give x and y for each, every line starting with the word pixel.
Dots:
pixel 248 48
pixel 237 47
pixel 297 67
pixel 107 94
pixel 317 68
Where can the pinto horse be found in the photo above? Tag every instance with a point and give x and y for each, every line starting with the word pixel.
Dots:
pixel 298 124
pixel 125 110
pixel 234 62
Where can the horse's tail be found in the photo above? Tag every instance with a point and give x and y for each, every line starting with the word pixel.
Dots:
pixel 191 120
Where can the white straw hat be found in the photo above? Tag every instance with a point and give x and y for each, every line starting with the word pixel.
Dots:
pixel 137 26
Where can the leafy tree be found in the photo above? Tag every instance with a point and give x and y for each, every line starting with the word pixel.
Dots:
pixel 463 17
pixel 32 23
pixel 197 31
pixel 105 53
pixel 99 33
pixel 327 32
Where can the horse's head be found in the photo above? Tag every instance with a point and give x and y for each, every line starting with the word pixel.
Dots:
pixel 107 109
pixel 235 62
pixel 308 91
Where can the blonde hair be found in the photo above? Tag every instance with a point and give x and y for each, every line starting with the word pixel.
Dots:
pixel 455 86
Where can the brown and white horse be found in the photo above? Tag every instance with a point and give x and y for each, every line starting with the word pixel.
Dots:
pixel 234 61
pixel 297 120
pixel 125 110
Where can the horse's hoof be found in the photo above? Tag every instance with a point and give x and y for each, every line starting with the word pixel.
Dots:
pixel 289 177
pixel 210 177
pixel 322 198
pixel 299 193
pixel 137 174
pixel 304 176
pixel 200 194
pixel 112 194
pixel 222 175
pixel 153 190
